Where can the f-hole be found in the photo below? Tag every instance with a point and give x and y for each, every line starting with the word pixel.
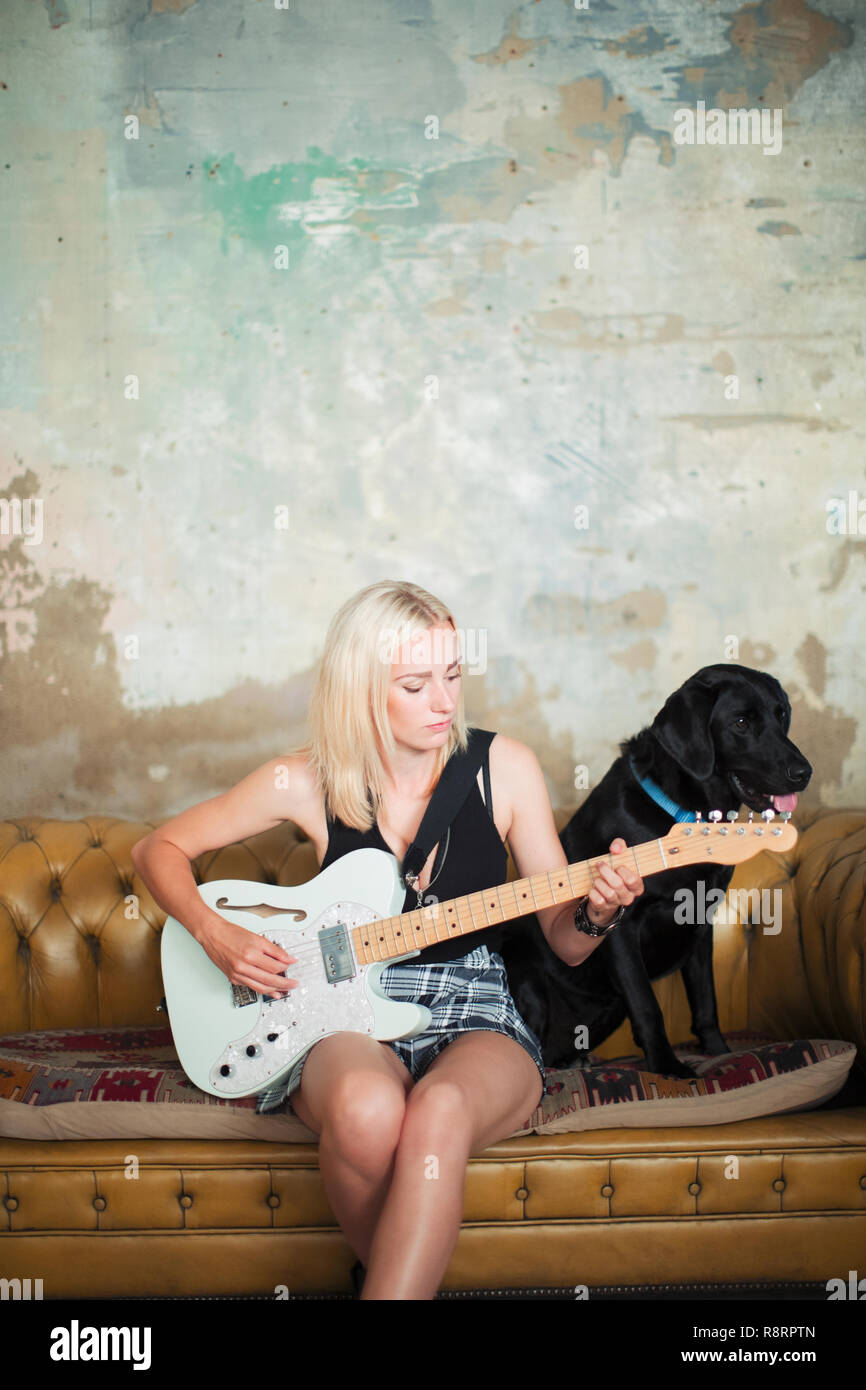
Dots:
pixel 263 909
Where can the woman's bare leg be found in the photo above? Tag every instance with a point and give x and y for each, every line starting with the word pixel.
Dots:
pixel 419 1220
pixel 480 1088
pixel 353 1095
pixel 393 1154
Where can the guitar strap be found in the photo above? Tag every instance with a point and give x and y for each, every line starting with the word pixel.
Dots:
pixel 451 792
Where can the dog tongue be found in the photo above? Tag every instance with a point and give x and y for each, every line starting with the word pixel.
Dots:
pixel 785 803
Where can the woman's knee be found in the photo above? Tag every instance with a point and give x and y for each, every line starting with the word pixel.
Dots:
pixel 363 1115
pixel 356 1090
pixel 440 1103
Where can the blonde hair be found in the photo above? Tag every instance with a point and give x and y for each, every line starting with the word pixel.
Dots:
pixel 348 706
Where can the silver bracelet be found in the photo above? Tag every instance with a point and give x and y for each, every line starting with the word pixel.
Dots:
pixel 582 922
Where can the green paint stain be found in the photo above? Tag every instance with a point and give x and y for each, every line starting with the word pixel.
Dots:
pixel 256 208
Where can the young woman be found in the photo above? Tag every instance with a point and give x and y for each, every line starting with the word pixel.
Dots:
pixel 397 1121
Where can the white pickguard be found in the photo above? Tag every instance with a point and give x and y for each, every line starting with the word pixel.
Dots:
pixel 211 1033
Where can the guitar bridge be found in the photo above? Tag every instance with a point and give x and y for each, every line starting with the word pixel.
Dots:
pixel 242 995
pixel 336 953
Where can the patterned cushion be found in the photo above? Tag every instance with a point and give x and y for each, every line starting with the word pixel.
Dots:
pixel 127 1083
pixel 759 1076
pixel 112 1083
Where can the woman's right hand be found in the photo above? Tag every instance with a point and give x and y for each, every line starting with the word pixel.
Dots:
pixel 246 958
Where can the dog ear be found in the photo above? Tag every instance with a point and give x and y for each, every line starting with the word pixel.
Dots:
pixel 785 702
pixel 682 727
pixel 787 712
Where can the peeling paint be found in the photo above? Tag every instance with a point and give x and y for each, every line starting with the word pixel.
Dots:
pixel 843 550
pixel 640 42
pixel 560 613
pixel 433 386
pixel 812 656
pixel 640 656
pixel 589 116
pixel 779 229
pixel 773 48
pixel 510 47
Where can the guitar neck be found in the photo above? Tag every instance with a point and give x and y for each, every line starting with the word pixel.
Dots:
pixel 693 843
pixel 425 926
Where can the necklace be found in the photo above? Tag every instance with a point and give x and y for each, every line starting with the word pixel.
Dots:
pixel 440 860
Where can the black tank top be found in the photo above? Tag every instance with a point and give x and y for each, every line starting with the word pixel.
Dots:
pixel 469 859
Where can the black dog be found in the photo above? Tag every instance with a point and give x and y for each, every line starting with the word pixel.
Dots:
pixel 719 741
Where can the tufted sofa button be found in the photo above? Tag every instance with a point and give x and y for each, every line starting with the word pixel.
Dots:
pixel 694 1188
pixel 273 1200
pixel 10 1203
pixel 779 1184
pixel 607 1190
pixel 185 1200
pixel 100 1203
pixel 522 1193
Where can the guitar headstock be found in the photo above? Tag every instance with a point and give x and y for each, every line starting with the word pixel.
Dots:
pixel 731 841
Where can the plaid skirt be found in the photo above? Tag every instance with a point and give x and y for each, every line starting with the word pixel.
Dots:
pixel 462 995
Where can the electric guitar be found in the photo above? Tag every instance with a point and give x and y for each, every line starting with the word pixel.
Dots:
pixel 347 925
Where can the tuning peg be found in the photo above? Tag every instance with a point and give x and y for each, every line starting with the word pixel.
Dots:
pixel 698 817
pixel 715 815
pixel 784 815
pixel 751 816
pixel 768 814
pixel 732 815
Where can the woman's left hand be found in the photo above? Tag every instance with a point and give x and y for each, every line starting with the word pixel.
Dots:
pixel 613 889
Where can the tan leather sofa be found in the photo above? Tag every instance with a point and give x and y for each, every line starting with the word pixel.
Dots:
pixel 612 1207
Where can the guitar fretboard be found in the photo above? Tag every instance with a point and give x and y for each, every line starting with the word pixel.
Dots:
pixel 435 922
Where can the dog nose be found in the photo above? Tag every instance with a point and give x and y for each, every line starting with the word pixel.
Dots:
pixel 799 773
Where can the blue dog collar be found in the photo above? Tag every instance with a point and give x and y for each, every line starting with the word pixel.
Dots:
pixel 653 790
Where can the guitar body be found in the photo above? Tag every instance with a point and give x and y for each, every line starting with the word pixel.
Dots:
pixel 213 1026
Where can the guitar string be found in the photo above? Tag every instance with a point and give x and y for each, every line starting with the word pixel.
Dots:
pixel 315 948
pixel 635 852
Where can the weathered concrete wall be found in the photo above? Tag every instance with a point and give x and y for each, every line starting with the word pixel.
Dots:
pixel 616 462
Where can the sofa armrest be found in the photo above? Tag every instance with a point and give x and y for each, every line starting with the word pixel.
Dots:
pixel 808 979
